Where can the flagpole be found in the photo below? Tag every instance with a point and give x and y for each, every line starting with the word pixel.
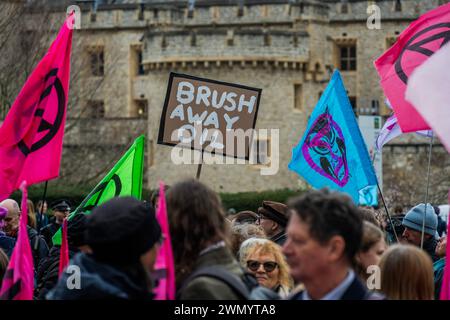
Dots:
pixel 199 168
pixel 384 202
pixel 426 193
pixel 42 204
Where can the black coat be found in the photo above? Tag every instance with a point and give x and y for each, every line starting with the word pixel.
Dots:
pixel 47 272
pixel 49 231
pixel 7 244
pixel 100 281
pixel 39 248
pixel 279 238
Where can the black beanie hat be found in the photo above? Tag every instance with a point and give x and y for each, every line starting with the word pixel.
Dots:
pixel 121 230
pixel 76 228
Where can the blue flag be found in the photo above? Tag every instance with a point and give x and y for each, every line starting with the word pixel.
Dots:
pixel 332 152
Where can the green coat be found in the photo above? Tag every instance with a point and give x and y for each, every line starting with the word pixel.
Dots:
pixel 208 288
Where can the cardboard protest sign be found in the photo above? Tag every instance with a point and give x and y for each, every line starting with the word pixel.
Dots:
pixel 209 115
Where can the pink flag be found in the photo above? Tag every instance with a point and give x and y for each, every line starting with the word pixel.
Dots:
pixel 414 46
pixel 64 251
pixel 18 281
pixel 164 265
pixel 429 92
pixel 32 134
pixel 445 287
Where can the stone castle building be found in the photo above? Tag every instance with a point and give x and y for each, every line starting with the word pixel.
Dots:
pixel 126 50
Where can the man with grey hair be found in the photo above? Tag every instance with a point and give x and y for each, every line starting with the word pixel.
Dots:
pixel 38 246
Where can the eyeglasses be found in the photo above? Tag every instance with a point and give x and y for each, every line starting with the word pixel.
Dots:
pixel 268 266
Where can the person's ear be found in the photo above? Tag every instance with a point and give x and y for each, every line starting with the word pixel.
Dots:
pixel 274 225
pixel 336 248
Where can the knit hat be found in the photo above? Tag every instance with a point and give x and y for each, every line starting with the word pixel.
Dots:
pixel 76 228
pixel 275 211
pixel 121 230
pixel 414 219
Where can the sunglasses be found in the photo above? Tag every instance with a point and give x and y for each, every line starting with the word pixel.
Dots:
pixel 268 266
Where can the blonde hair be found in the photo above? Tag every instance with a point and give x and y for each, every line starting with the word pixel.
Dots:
pixel 265 246
pixel 407 273
pixel 31 214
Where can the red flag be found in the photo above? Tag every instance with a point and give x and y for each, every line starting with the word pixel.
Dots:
pixel 31 135
pixel 414 46
pixel 445 287
pixel 64 251
pixel 164 265
pixel 18 281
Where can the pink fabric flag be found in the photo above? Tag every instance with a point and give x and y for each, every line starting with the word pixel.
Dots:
pixel 429 92
pixel 414 46
pixel 64 252
pixel 32 134
pixel 164 265
pixel 445 287
pixel 18 281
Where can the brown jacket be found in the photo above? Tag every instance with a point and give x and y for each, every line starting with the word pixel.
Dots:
pixel 208 288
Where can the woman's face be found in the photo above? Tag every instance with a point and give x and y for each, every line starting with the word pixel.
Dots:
pixel 373 255
pixel 265 276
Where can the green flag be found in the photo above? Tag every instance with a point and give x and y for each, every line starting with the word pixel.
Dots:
pixel 125 179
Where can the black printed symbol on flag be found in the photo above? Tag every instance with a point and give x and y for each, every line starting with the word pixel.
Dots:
pixel 51 129
pixel 99 190
pixel 420 46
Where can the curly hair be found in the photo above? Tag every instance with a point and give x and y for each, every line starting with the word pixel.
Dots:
pixel 266 246
pixel 197 219
pixel 329 214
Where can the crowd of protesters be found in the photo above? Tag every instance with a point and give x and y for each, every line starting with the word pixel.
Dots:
pixel 318 245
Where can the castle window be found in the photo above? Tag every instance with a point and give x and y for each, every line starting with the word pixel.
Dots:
pixel 375 110
pixel 240 11
pixel 155 13
pixel 141 12
pixel 97 62
pixel 344 7
pixel 298 97
pixel 398 6
pixel 96 109
pixel 347 58
pixel 193 39
pixel 141 108
pixel 164 42
pixel 267 39
pixel 230 38
pixel 137 63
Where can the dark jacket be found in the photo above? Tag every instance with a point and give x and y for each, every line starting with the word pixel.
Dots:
pixel 438 268
pixel 100 281
pixel 47 272
pixel 49 231
pixel 279 238
pixel 41 220
pixel 208 288
pixel 39 248
pixel 356 291
pixel 7 244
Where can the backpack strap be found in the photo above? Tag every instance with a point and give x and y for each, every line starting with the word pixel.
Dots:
pixel 222 274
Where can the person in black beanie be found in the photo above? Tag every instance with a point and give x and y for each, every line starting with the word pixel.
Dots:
pixel 123 236
pixel 48 269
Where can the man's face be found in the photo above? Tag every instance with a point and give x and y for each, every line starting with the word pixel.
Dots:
pixel 12 218
pixel 268 225
pixel 307 258
pixel 60 215
pixel 412 236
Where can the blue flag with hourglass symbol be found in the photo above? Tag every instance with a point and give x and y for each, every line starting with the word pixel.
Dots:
pixel 332 152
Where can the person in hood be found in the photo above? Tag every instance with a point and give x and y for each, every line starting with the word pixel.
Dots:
pixel 123 236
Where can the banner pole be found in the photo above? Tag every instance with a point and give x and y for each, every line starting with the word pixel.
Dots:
pixel 199 168
pixel 426 193
pixel 384 202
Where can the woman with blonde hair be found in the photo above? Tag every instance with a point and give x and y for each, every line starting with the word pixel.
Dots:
pixel 264 259
pixel 407 273
pixel 31 214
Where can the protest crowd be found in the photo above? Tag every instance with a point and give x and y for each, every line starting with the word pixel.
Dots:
pixel 330 242
pixel 317 246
